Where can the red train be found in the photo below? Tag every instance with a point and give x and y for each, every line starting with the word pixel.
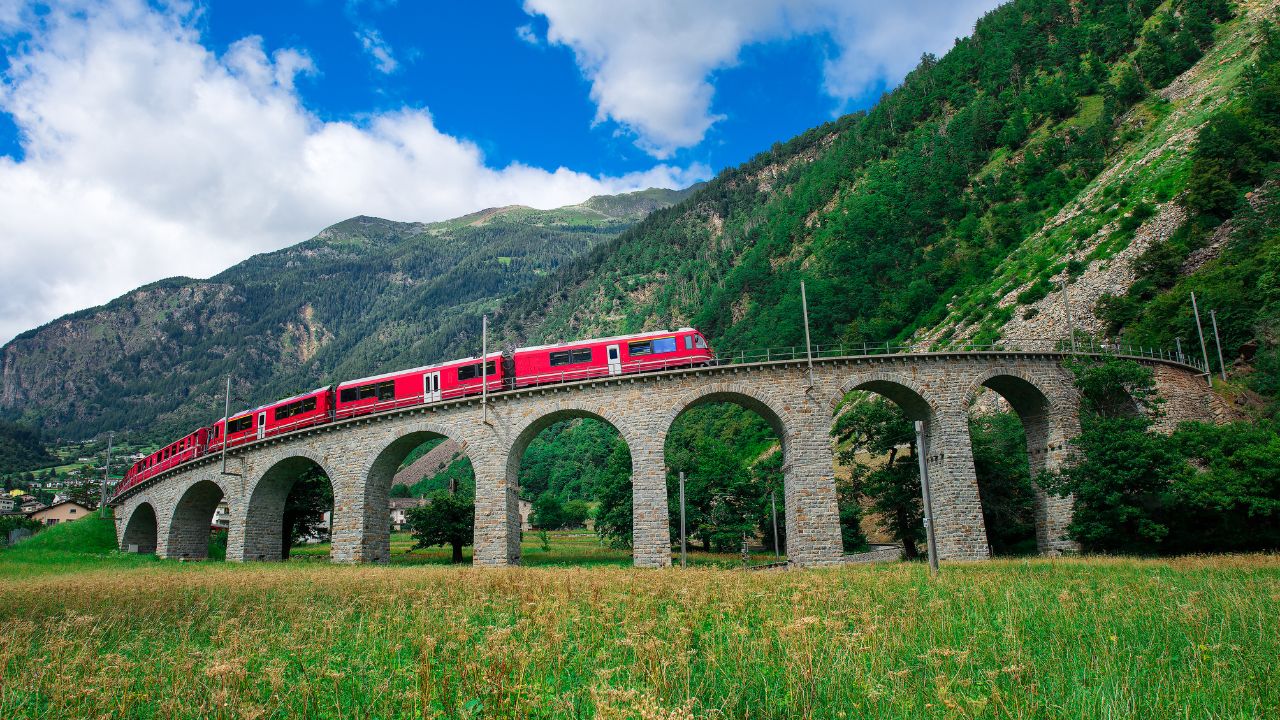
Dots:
pixel 525 367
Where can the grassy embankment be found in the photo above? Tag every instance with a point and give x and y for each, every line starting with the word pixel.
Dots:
pixel 93 633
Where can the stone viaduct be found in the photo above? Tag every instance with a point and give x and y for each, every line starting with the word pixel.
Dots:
pixel 170 514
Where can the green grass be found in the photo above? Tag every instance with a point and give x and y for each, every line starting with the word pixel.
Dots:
pixel 566 548
pixel 119 637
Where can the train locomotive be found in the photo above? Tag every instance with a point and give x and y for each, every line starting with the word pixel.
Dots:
pixel 522 368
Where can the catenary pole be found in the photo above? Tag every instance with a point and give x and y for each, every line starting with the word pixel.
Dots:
pixel 484 367
pixel 684 547
pixel 928 499
pixel 1217 343
pixel 106 476
pixel 808 349
pixel 1204 350
pixel 226 418
pixel 1177 343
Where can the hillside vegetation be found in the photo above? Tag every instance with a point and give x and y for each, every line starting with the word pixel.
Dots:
pixel 21 449
pixel 362 297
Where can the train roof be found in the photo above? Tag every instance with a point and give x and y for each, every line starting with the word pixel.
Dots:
pixel 273 403
pixel 397 373
pixel 589 341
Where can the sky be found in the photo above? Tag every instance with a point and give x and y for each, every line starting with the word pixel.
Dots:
pixel 143 140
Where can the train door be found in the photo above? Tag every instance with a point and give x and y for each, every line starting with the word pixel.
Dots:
pixel 615 360
pixel 431 387
pixel 262 424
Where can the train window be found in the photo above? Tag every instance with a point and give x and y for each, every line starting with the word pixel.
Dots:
pixel 700 342
pixel 240 424
pixel 385 390
pixel 688 342
pixel 571 357
pixel 473 371
pixel 295 408
pixel 640 348
pixel 664 345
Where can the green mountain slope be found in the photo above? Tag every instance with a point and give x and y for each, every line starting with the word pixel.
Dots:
pixel 964 189
pixel 364 296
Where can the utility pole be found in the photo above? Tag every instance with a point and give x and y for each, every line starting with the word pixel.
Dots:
pixel 808 349
pixel 684 547
pixel 1208 373
pixel 226 420
pixel 106 476
pixel 928 499
pixel 1217 342
pixel 773 508
pixel 484 367
pixel 1177 343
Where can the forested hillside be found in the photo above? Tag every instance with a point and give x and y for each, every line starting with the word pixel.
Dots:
pixel 21 449
pixel 364 296
pixel 1043 144
pixel 1062 140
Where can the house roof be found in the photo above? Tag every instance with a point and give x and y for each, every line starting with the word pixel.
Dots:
pixel 58 504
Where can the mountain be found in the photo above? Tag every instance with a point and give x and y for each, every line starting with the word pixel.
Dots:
pixel 1125 146
pixel 364 296
pixel 1063 139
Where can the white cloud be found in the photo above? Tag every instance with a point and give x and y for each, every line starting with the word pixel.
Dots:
pixel 649 63
pixel 372 42
pixel 527 34
pixel 146 155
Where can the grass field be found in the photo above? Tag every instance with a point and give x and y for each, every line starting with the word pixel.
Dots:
pixel 91 633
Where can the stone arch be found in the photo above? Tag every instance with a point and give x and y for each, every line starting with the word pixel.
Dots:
pixel 192 519
pixel 645 504
pixel 262 517
pixel 917 401
pixel 561 411
pixel 1048 409
pixel 375 541
pixel 948 455
pixel 141 530
pixel 738 394
pixel 809 495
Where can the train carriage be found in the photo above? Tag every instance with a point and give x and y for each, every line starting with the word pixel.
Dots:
pixel 566 362
pixel 431 383
pixel 172 455
pixel 643 352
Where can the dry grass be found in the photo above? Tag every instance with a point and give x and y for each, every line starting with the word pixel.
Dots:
pixel 1192 637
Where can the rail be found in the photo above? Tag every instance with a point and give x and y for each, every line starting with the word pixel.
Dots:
pixel 791 353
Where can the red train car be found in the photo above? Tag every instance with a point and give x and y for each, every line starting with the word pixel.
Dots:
pixel 282 416
pixel 432 383
pixel 172 455
pixel 619 355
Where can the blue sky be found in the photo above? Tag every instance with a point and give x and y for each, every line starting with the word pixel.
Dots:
pixel 141 139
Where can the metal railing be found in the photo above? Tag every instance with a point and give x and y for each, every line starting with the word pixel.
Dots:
pixel 1013 345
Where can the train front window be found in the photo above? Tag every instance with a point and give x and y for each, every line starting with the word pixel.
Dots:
pixel 700 342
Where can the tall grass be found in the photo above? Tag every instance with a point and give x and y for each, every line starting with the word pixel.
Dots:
pixel 1065 638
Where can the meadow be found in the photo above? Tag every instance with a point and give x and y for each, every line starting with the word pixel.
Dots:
pixel 88 632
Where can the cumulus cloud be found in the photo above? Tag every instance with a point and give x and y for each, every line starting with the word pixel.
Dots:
pixel 147 155
pixel 650 63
